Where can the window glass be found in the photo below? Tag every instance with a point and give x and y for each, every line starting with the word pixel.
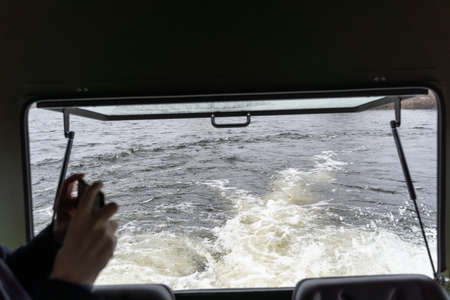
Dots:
pixel 285 198
pixel 232 106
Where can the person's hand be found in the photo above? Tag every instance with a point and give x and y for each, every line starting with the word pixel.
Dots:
pixel 90 240
pixel 65 206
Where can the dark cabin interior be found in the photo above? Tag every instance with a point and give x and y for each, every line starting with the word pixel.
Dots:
pixel 83 50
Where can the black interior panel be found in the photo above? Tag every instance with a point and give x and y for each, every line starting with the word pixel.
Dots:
pixel 134 292
pixel 384 287
pixel 236 294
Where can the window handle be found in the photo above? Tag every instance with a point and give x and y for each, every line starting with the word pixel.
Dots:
pixel 230 125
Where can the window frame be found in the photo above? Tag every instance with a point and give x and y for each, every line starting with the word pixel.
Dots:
pixel 403 91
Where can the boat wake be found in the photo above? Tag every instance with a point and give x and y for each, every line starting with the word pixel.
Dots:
pixel 272 240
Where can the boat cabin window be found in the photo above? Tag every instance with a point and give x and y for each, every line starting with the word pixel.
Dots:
pixel 257 190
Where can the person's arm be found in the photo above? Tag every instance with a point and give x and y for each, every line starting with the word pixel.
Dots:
pixel 48 271
pixel 33 263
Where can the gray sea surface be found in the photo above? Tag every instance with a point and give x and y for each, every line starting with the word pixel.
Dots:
pixel 285 198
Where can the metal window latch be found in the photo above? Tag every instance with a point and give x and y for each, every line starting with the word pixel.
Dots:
pixel 230 125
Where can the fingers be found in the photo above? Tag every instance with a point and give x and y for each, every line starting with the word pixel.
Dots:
pixel 109 246
pixel 105 239
pixel 111 239
pixel 106 247
pixel 81 187
pixel 65 203
pixel 105 213
pixel 69 182
pixel 86 201
pixel 74 177
pixel 113 225
pixel 66 189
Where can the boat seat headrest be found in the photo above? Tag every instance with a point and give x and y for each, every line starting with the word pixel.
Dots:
pixel 134 292
pixel 382 287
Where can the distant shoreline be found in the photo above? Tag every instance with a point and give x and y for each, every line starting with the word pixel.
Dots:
pixel 419 102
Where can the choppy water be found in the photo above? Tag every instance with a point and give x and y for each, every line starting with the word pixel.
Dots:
pixel 263 206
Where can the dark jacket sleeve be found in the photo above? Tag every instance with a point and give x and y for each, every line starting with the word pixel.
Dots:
pixel 32 265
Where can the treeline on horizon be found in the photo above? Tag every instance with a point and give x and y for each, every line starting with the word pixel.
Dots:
pixel 419 102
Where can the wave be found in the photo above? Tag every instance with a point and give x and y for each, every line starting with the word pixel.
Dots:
pixel 270 241
pixel 83 161
pixel 97 156
pixel 186 145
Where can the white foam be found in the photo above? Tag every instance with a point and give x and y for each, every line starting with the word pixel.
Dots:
pixel 326 161
pixel 271 241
